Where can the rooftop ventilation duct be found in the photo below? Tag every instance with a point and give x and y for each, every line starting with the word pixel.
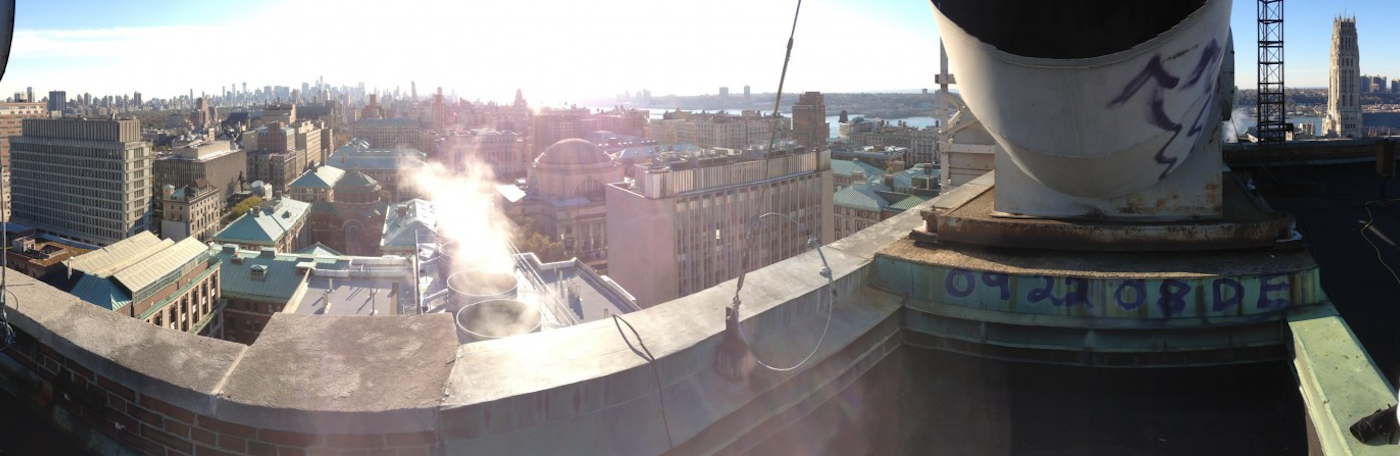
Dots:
pixel 1092 98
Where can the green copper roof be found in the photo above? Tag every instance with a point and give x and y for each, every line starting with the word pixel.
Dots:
pixel 268 226
pixel 266 276
pixel 110 276
pixel 323 177
pixel 101 292
pixel 861 196
pixel 906 203
pixel 399 229
pixel 845 168
pixel 318 249
pixel 355 181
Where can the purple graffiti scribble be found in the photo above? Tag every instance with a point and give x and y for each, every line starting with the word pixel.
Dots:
pixel 1207 60
pixel 1157 113
pixel 1152 72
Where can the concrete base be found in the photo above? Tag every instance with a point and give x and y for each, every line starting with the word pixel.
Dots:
pixel 1102 309
pixel 1191 192
pixel 1246 222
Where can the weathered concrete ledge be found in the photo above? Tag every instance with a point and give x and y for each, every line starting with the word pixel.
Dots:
pixel 345 382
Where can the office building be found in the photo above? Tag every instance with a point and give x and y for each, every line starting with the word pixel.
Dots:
pixel 504 152
pixel 680 226
pixel 58 100
pixel 718 130
pixel 809 126
pixel 390 133
pixel 1344 90
pixel 554 125
pixel 220 163
pixel 203 115
pixel 12 117
pixel 921 142
pixel 162 282
pixel 85 180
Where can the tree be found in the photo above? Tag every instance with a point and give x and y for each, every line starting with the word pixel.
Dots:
pixel 242 208
pixel 528 239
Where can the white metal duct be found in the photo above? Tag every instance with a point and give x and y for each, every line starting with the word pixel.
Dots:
pixel 1101 116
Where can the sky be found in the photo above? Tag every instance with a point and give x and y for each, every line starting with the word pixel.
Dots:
pixel 554 50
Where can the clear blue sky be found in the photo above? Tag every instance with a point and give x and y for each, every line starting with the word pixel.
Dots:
pixel 553 49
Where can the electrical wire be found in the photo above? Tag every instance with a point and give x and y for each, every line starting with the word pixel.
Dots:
pixel 830 285
pixel 651 361
pixel 1371 220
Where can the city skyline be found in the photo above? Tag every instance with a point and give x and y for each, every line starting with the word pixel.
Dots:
pixel 482 57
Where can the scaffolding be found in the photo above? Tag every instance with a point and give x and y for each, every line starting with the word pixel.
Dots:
pixel 1271 107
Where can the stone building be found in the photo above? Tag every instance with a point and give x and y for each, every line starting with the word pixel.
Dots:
pixel 565 196
pixel 191 211
pixel 718 129
pixel 317 184
pixel 809 125
pixel 220 163
pixel 1344 89
pixel 351 220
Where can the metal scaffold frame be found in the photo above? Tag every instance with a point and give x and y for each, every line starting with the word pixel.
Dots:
pixel 1271 109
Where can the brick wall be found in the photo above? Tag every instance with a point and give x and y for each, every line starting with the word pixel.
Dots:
pixel 148 425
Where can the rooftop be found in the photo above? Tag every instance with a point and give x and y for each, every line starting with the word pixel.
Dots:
pixel 266 224
pixel 322 177
pixel 846 168
pixel 407 224
pixel 113 275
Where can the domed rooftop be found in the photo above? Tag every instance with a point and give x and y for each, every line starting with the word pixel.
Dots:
pixel 573 152
pixel 355 181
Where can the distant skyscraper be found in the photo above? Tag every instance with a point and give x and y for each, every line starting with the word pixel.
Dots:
pixel 57 100
pixel 809 126
pixel 747 97
pixel 86 180
pixel 136 99
pixel 724 92
pixel 1344 88
pixel 29 95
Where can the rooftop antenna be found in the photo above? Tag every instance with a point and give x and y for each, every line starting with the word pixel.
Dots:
pixel 1272 121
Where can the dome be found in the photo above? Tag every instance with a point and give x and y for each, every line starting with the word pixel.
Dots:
pixel 355 181
pixel 573 152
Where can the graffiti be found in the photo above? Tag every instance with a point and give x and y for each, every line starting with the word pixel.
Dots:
pixel 1127 297
pixel 1163 81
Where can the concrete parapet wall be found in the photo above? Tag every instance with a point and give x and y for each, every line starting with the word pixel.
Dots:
pixel 317 384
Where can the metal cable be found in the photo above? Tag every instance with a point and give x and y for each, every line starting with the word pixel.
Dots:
pixel 755 220
pixel 1371 220
pixel 830 285
pixel 651 361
